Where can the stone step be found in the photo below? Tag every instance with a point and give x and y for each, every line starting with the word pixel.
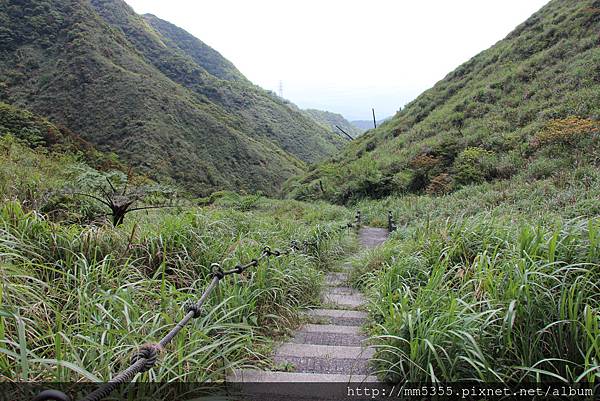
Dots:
pixel 342 290
pixel 371 237
pixel 259 376
pixel 329 334
pixel 308 358
pixel 346 267
pixel 337 317
pixel 344 301
pixel 330 328
pixel 336 279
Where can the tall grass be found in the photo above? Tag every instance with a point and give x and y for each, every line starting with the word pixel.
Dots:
pixel 77 301
pixel 487 299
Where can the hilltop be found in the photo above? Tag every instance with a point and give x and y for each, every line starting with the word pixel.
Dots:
pixel 527 107
pixel 162 100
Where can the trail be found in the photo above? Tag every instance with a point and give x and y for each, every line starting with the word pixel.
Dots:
pixel 330 348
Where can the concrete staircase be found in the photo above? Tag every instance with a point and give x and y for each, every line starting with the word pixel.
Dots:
pixel 330 348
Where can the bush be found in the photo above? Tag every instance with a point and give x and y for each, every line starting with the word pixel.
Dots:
pixel 440 185
pixel 568 131
pixel 477 299
pixel 473 165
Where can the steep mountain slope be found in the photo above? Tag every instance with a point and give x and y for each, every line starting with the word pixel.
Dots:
pixel 203 55
pixel 104 72
pixel 529 105
pixel 331 120
pixel 37 132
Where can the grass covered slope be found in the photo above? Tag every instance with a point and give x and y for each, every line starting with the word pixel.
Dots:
pixel 489 119
pixel 37 131
pixel 205 56
pixel 104 72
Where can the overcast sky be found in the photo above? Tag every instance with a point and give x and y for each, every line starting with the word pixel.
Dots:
pixel 346 56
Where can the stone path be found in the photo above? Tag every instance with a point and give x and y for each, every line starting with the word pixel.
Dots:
pixel 330 348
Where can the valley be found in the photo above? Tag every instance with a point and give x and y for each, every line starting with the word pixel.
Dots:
pixel 490 272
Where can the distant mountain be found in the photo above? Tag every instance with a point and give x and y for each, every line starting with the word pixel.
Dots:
pixel 528 107
pixel 161 99
pixel 332 120
pixel 365 125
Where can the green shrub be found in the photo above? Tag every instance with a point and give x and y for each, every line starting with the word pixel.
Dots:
pixel 473 165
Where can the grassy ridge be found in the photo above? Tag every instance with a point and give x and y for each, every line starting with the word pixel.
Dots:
pixel 482 122
pixel 332 120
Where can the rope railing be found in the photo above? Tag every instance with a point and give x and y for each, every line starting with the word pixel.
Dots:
pixel 146 357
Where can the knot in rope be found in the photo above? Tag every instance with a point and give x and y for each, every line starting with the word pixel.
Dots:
pixel 191 306
pixel 217 271
pixel 148 352
pixel 267 251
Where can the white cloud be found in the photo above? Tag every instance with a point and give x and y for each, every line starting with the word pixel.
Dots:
pixel 346 55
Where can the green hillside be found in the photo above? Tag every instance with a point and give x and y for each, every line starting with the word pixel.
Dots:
pixel 104 72
pixel 331 120
pixel 528 106
pixel 37 132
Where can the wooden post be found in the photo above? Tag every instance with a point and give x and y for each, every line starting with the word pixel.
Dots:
pixel 374 120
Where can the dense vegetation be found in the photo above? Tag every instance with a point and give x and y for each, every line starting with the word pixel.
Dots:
pixel 333 120
pixel 495 282
pixel 163 101
pixel 36 131
pixel 490 119
pixel 77 299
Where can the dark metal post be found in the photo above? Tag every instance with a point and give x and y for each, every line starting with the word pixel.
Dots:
pixel 358 219
pixel 391 223
pixel 374 120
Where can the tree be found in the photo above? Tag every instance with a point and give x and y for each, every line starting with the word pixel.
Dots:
pixel 122 202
